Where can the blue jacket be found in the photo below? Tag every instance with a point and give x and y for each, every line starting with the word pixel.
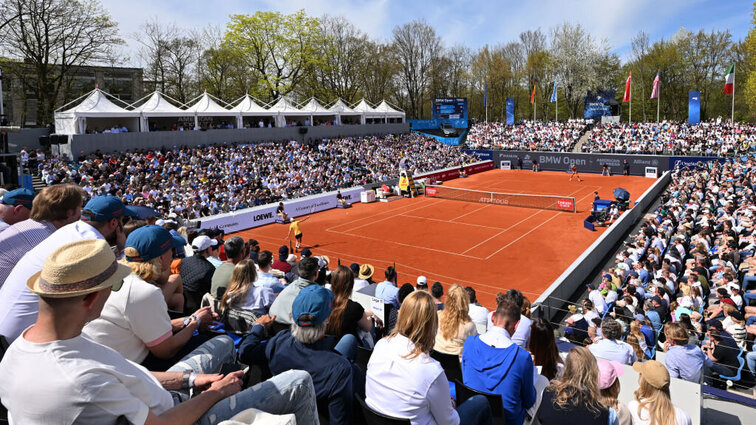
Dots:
pixel 506 371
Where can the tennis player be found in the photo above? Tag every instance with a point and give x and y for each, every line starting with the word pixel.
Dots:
pixel 295 226
pixel 575 173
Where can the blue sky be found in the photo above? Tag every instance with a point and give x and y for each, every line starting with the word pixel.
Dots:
pixel 472 23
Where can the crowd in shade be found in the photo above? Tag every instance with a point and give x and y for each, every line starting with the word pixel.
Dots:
pixel 198 182
pixel 685 283
pixel 709 138
pixel 528 135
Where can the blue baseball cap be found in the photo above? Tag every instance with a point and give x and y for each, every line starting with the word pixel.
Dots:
pixel 22 196
pixel 315 301
pixel 106 208
pixel 151 242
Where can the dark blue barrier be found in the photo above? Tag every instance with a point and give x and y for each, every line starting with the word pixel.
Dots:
pixel 26 182
pixel 689 161
pixel 482 155
pixel 434 124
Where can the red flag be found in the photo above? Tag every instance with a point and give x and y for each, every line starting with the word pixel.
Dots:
pixel 627 97
pixel 655 88
pixel 532 95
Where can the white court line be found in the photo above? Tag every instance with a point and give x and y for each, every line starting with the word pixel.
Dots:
pixel 393 211
pixel 447 221
pixel 531 230
pixel 411 246
pixel 473 211
pixel 512 226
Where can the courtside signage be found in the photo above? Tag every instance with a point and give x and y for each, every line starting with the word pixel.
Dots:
pixel 431 191
pixel 565 204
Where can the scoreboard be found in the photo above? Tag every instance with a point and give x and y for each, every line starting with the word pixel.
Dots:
pixel 450 108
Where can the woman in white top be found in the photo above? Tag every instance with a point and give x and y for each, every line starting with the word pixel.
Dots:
pixel 652 403
pixel 242 294
pixel 403 381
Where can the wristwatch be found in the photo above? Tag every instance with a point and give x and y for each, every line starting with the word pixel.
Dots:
pixel 188 320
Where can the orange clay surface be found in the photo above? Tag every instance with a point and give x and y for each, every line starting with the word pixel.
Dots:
pixel 489 247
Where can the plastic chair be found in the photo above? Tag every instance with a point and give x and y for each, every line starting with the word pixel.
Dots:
pixel 608 309
pixel 736 377
pixel 371 417
pixel 494 400
pixel 450 364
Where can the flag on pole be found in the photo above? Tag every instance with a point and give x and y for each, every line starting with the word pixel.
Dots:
pixel 729 79
pixel 627 97
pixel 485 95
pixel 655 88
pixel 532 95
pixel 554 93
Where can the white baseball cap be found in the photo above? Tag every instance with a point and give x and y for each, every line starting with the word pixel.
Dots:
pixel 422 280
pixel 203 242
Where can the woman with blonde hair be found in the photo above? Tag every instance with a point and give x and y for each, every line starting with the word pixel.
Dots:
pixel 404 381
pixel 652 404
pixel 242 294
pixel 575 398
pixel 454 322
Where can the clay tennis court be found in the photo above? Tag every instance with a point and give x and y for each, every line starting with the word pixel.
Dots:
pixel 489 247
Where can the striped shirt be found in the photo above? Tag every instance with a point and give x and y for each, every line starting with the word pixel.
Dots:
pixel 19 239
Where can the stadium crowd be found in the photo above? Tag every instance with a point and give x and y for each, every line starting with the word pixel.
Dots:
pixel 685 282
pixel 528 135
pixel 709 138
pixel 198 182
pixel 95 339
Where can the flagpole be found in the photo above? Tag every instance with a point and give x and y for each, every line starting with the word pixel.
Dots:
pixel 556 110
pixel 732 116
pixel 658 100
pixel 631 102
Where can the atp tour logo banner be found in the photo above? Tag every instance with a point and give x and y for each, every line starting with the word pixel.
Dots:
pixel 259 216
pixel 589 163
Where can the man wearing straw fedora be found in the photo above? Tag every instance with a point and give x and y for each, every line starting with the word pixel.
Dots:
pixel 103 217
pixel 73 379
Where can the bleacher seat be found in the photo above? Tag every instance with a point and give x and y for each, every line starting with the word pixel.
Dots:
pixel 363 357
pixel 371 417
pixel 450 364
pixel 494 400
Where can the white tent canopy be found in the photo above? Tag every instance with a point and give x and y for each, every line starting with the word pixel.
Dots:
pixel 283 108
pixel 95 111
pixel 343 110
pixel 367 111
pixel 247 107
pixel 317 110
pixel 157 106
pixel 207 107
pixel 389 112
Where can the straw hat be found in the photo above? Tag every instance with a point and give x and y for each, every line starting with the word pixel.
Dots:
pixel 78 268
pixel 366 271
pixel 653 372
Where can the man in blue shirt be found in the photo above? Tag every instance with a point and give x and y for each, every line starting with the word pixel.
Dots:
pixel 683 360
pixel 493 363
pixel 387 290
pixel 610 347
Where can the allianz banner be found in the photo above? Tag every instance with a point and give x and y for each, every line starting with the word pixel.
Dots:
pixel 589 163
pixel 259 216
pixel 510 111
pixel 694 107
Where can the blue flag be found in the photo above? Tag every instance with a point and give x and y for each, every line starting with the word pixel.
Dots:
pixel 485 95
pixel 554 93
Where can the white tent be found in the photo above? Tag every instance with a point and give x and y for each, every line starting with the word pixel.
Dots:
pixel 315 109
pixel 207 107
pixel 283 108
pixel 247 107
pixel 94 112
pixel 389 112
pixel 343 110
pixel 157 106
pixel 368 112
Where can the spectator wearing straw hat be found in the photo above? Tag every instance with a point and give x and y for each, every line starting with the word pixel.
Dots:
pixel 135 321
pixel 103 217
pixel 364 283
pixel 75 380
pixel 15 207
pixel 651 403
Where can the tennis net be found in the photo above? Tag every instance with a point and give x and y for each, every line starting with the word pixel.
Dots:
pixel 544 202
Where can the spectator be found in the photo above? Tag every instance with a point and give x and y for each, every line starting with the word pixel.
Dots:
pixel 242 294
pixel 610 347
pixel 683 360
pixel 265 277
pixel 77 380
pixel 609 387
pixel 404 381
pixel 651 403
pixel 575 398
pixel 596 298
pixel 348 317
pixel 437 292
pixel 103 217
pixel 281 264
pixel 135 321
pixel 235 252
pixel 522 333
pixel 454 323
pixel 197 272
pixel 15 207
pixel 364 278
pixel 54 207
pixel 387 290
pixel 723 357
pixel 478 313
pixel 393 315
pixel 422 283
pixel 543 348
pixel 493 363
pixel 281 308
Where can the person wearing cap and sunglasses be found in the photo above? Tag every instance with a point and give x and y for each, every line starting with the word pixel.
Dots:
pixel 135 321
pixel 72 379
pixel 15 207
pixel 103 217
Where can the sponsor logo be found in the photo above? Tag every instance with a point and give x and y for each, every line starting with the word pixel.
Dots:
pixel 486 200
pixel 565 204
pixel 224 226
pixel 557 160
pixel 431 191
pixel 260 217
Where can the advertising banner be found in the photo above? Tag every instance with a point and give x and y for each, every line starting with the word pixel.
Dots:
pixel 259 216
pixel 510 111
pixel 453 172
pixel 589 163
pixel 482 155
pixel 690 161
pixel 694 107
pixel 598 104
